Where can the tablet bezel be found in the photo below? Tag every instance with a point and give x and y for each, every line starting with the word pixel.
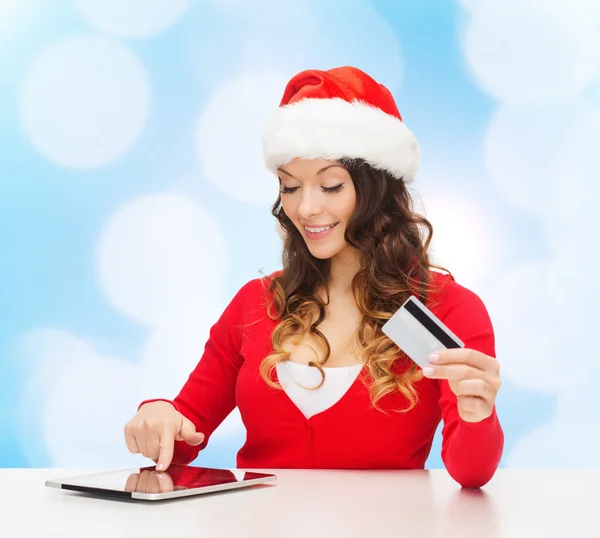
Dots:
pixel 71 484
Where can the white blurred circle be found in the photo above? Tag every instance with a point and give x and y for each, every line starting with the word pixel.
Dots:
pixel 53 347
pixel 86 410
pixel 538 449
pixel 132 18
pixel 175 348
pixel 464 238
pixel 322 37
pixel 243 7
pixel 575 181
pixel 8 8
pixel 571 217
pixel 47 354
pixel 229 133
pixel 471 5
pixel 577 416
pixel 84 101
pixel 160 255
pixel 574 241
pixel 562 443
pixel 541 51
pixel 12 16
pixel 535 326
pixel 523 145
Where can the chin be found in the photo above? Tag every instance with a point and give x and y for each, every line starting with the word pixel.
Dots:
pixel 321 256
pixel 325 253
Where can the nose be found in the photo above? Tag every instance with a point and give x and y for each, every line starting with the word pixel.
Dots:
pixel 310 204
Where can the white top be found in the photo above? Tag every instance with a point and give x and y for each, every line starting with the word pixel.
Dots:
pixel 517 503
pixel 298 381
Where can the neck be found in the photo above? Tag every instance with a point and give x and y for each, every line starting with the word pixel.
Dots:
pixel 344 266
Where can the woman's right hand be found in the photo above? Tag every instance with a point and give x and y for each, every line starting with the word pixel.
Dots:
pixel 154 429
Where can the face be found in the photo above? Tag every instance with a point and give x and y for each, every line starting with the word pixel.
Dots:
pixel 318 196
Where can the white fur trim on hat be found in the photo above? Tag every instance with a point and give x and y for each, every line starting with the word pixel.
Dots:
pixel 335 128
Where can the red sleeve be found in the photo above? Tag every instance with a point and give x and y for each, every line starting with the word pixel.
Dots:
pixel 471 451
pixel 208 395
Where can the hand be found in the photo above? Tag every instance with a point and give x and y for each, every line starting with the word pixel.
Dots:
pixel 472 376
pixel 154 430
pixel 151 482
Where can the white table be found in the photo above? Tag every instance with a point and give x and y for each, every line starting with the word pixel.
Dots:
pixel 411 504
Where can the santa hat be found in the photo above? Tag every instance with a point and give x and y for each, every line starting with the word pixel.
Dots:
pixel 340 113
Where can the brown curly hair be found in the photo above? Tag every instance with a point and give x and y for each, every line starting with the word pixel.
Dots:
pixel 392 240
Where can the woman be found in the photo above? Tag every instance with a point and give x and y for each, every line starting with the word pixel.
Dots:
pixel 301 352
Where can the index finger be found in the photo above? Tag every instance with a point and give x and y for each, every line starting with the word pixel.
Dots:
pixel 470 357
pixel 166 446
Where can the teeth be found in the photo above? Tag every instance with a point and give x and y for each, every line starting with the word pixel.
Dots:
pixel 319 230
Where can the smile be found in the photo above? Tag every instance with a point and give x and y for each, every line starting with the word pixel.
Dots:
pixel 320 229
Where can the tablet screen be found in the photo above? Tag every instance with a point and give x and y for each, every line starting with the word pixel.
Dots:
pixel 147 480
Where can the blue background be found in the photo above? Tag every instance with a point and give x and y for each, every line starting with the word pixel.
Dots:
pixel 53 213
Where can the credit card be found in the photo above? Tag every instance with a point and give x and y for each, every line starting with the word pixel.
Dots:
pixel 418 332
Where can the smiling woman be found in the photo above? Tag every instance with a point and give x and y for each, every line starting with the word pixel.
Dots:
pixel 344 218
pixel 319 198
pixel 354 250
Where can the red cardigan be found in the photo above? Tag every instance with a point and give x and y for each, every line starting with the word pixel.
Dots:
pixel 351 434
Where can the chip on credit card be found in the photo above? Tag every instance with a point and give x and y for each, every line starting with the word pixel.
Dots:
pixel 418 332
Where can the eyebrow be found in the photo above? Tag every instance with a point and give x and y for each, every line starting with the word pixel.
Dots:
pixel 319 172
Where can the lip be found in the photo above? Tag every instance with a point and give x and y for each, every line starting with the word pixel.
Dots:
pixel 320 235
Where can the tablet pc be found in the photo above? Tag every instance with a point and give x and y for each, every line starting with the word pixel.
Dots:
pixel 147 484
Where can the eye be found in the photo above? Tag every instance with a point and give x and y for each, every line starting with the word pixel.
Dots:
pixel 288 190
pixel 337 188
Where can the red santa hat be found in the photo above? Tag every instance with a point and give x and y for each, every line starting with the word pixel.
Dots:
pixel 340 113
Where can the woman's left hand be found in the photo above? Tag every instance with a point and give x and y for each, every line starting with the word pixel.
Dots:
pixel 473 376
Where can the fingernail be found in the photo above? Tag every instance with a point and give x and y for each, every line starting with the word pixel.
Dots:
pixel 160 466
pixel 160 476
pixel 428 370
pixel 434 357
